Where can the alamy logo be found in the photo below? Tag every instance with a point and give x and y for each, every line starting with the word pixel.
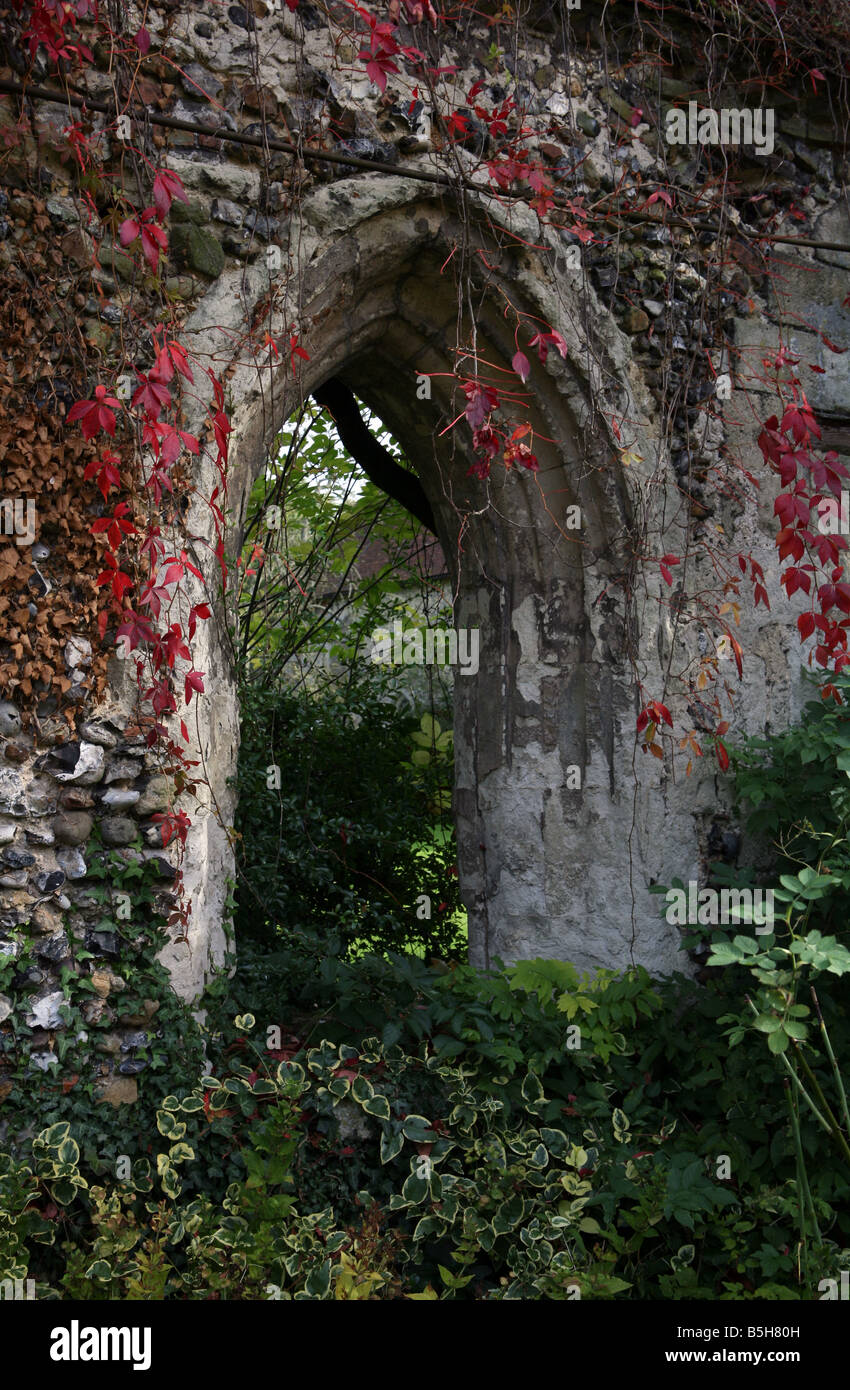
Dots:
pixel 728 126
pixel 17 1289
pixel 834 515
pixel 12 519
pixel 434 646
pixel 831 1288
pixel 77 1343
pixel 712 907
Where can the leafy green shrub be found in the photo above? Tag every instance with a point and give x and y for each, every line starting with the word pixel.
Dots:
pixel 484 1200
pixel 476 1155
pixel 343 850
pixel 433 1131
pixel 654 1050
pixel 795 788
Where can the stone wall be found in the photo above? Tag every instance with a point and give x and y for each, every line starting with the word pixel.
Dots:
pixel 354 259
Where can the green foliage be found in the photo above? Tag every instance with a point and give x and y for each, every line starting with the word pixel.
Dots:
pixel 797 784
pixel 306 596
pixel 653 1071
pixel 777 1013
pixel 355 848
pixel 795 787
pixel 431 1131
pixel 173 1048
pixel 431 765
pixel 342 849
pixel 603 1004
pixel 466 1153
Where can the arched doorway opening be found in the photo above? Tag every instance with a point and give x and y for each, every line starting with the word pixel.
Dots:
pixel 345 839
pixel 558 824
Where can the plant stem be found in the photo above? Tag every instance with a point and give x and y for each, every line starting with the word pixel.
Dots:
pixel 828 1045
pixel 802 1179
pixel 834 1127
pixel 795 1078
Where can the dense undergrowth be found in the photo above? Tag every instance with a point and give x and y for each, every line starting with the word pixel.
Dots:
pixel 433 1132
pixel 344 824
pixel 381 1126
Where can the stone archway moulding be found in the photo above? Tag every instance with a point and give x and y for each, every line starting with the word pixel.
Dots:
pixel 546 868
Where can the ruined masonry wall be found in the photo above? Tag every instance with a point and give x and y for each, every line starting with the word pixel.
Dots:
pixel 316 230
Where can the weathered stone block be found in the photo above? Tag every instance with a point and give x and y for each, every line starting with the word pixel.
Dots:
pixel 118 830
pixel 73 827
pixel 118 1090
pixel 198 250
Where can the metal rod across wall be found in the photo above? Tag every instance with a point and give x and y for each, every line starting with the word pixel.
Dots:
pixel 306 152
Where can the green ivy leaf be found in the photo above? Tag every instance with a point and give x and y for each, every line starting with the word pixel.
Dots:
pixel 418 1130
pixel 415 1190
pixel 68 1152
pixel 318 1281
pixel 391 1145
pixel 378 1106
pixel 55 1135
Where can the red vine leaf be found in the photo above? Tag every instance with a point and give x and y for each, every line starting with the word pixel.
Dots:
pixel 194 682
pixel 521 366
pixel 107 472
pixel 154 239
pixel 96 414
pixel 166 187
